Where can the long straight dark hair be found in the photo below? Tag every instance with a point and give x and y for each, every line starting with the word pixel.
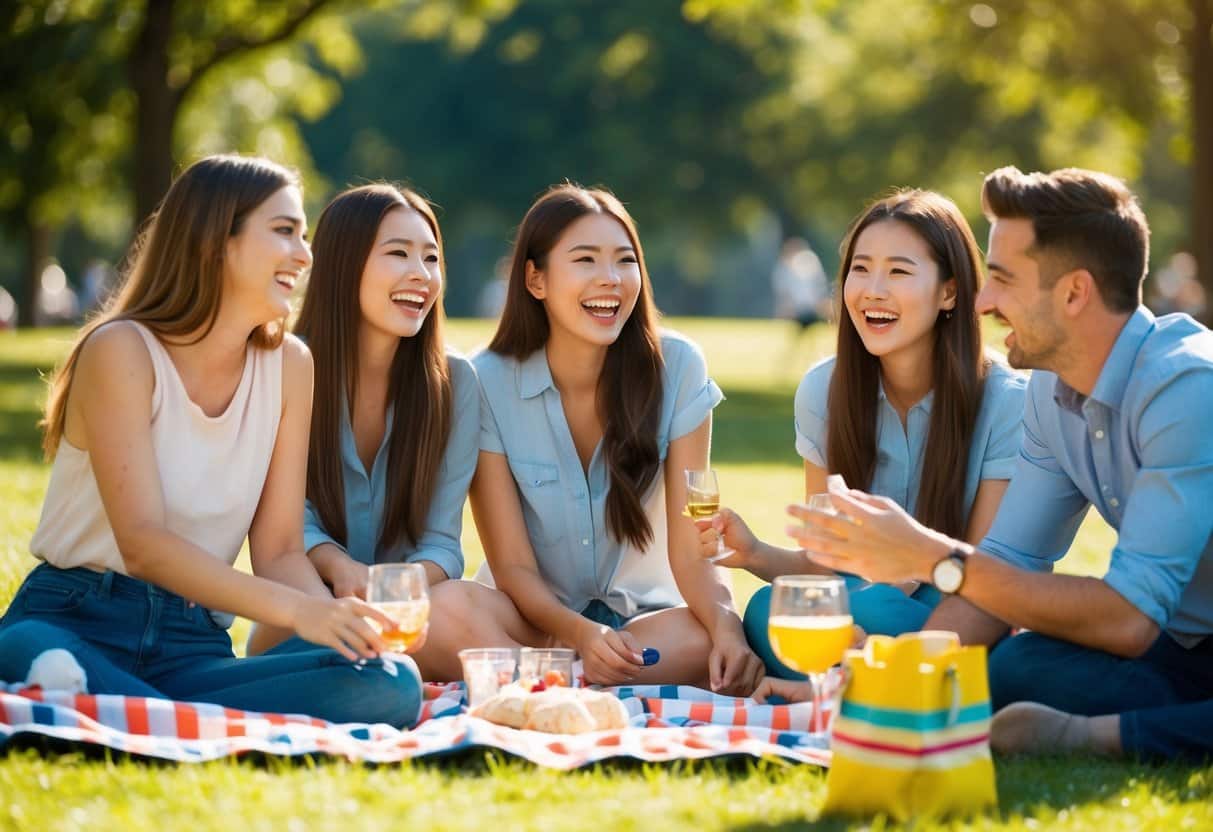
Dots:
pixel 420 383
pixel 629 406
pixel 958 365
pixel 173 283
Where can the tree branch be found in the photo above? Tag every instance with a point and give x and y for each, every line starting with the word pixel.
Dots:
pixel 229 45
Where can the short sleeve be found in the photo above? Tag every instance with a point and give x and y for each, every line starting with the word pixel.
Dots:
pixel 1003 414
pixel 695 395
pixel 487 374
pixel 812 396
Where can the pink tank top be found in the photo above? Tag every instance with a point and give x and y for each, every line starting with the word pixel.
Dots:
pixel 212 469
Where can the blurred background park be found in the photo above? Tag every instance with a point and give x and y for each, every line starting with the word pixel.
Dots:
pixel 728 126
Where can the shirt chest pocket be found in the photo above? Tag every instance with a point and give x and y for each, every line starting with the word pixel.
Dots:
pixel 542 499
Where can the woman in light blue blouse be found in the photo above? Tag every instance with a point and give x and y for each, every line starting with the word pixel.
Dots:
pixel 910 408
pixel 395 418
pixel 589 417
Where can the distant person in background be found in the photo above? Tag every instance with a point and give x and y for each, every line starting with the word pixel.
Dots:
pixel 491 299
pixel 57 300
pixel 8 310
pixel 1176 288
pixel 800 285
pixel 911 407
pixel 396 418
pixel 95 285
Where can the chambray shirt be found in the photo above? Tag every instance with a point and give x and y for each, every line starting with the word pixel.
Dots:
pixel 364 496
pixel 565 510
pixel 1140 449
pixel 899 453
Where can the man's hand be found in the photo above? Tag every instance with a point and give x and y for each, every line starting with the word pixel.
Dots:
pixel 872 537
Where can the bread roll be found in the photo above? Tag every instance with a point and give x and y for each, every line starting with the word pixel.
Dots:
pixel 562 716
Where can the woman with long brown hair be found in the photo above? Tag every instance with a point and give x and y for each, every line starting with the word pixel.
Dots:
pixel 179 428
pixel 910 408
pixel 589 417
pixel 396 418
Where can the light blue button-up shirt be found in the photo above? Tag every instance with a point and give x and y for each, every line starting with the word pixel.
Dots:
pixel 1140 449
pixel 564 508
pixel 365 495
pixel 899 452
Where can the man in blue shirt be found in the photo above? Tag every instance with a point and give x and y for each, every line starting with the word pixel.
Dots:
pixel 1116 416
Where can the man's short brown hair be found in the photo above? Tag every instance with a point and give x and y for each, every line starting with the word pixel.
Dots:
pixel 1082 219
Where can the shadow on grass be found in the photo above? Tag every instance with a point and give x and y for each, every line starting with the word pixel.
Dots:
pixel 754 426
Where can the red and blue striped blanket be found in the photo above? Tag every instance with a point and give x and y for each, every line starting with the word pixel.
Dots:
pixel 667 723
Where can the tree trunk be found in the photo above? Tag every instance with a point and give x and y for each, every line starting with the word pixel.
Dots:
pixel 156 108
pixel 37 253
pixel 1201 53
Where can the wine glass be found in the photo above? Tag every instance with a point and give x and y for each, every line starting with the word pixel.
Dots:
pixel 401 592
pixel 810 629
pixel 703 500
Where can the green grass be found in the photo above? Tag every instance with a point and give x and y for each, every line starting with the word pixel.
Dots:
pixel 758 365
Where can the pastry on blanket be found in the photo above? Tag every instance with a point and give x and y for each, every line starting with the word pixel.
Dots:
pixel 562 716
pixel 608 712
pixel 506 707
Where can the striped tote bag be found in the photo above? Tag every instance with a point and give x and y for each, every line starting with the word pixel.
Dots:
pixel 912 732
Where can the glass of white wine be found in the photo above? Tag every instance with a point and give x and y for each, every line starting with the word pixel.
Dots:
pixel 810 629
pixel 401 592
pixel 703 500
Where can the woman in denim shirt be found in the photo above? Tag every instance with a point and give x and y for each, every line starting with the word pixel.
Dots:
pixel 388 474
pixel 589 417
pixel 910 408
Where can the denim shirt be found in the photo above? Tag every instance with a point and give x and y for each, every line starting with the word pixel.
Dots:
pixel 564 508
pixel 899 453
pixel 364 496
pixel 1140 449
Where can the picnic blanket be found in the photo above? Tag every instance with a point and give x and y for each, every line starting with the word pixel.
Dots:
pixel 667 723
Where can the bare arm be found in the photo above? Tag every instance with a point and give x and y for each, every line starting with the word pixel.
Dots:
pixel 733 667
pixel 111 400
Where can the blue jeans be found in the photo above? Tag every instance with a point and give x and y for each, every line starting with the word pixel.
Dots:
pixel 880 609
pixel 134 638
pixel 1035 668
pixel 1174 731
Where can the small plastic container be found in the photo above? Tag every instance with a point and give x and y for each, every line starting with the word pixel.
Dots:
pixel 550 665
pixel 486 670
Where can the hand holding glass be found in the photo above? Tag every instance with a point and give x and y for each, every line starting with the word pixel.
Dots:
pixel 703 500
pixel 810 628
pixel 401 592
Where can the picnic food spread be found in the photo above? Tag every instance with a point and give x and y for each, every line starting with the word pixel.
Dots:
pixel 553 710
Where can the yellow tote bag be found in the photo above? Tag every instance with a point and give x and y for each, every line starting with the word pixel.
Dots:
pixel 912 733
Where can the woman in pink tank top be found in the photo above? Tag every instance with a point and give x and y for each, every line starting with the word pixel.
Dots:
pixel 179 427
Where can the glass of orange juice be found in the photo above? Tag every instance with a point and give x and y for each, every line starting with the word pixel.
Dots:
pixel 401 592
pixel 810 628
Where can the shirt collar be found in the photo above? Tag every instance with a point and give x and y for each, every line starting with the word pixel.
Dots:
pixel 534 374
pixel 923 404
pixel 1114 376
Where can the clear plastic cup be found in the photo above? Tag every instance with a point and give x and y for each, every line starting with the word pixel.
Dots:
pixel 486 670
pixel 550 665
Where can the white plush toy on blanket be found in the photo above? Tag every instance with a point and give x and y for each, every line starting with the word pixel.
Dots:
pixel 57 669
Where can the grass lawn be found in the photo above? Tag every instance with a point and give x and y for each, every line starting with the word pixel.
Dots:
pixel 758 364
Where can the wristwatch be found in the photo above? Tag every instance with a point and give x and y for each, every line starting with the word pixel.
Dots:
pixel 948 574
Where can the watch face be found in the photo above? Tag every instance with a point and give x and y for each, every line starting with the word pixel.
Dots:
pixel 947 575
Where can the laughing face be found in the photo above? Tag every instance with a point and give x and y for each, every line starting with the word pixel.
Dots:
pixel 590 281
pixel 1013 295
pixel 264 260
pixel 402 278
pixel 893 291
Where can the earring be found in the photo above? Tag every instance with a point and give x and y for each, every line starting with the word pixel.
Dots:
pixel 948 315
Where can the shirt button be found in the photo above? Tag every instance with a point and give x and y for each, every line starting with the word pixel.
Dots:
pixel 585 541
pixel 1106 489
pixel 1099 434
pixel 1114 502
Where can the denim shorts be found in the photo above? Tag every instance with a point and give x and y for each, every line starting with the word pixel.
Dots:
pixel 598 612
